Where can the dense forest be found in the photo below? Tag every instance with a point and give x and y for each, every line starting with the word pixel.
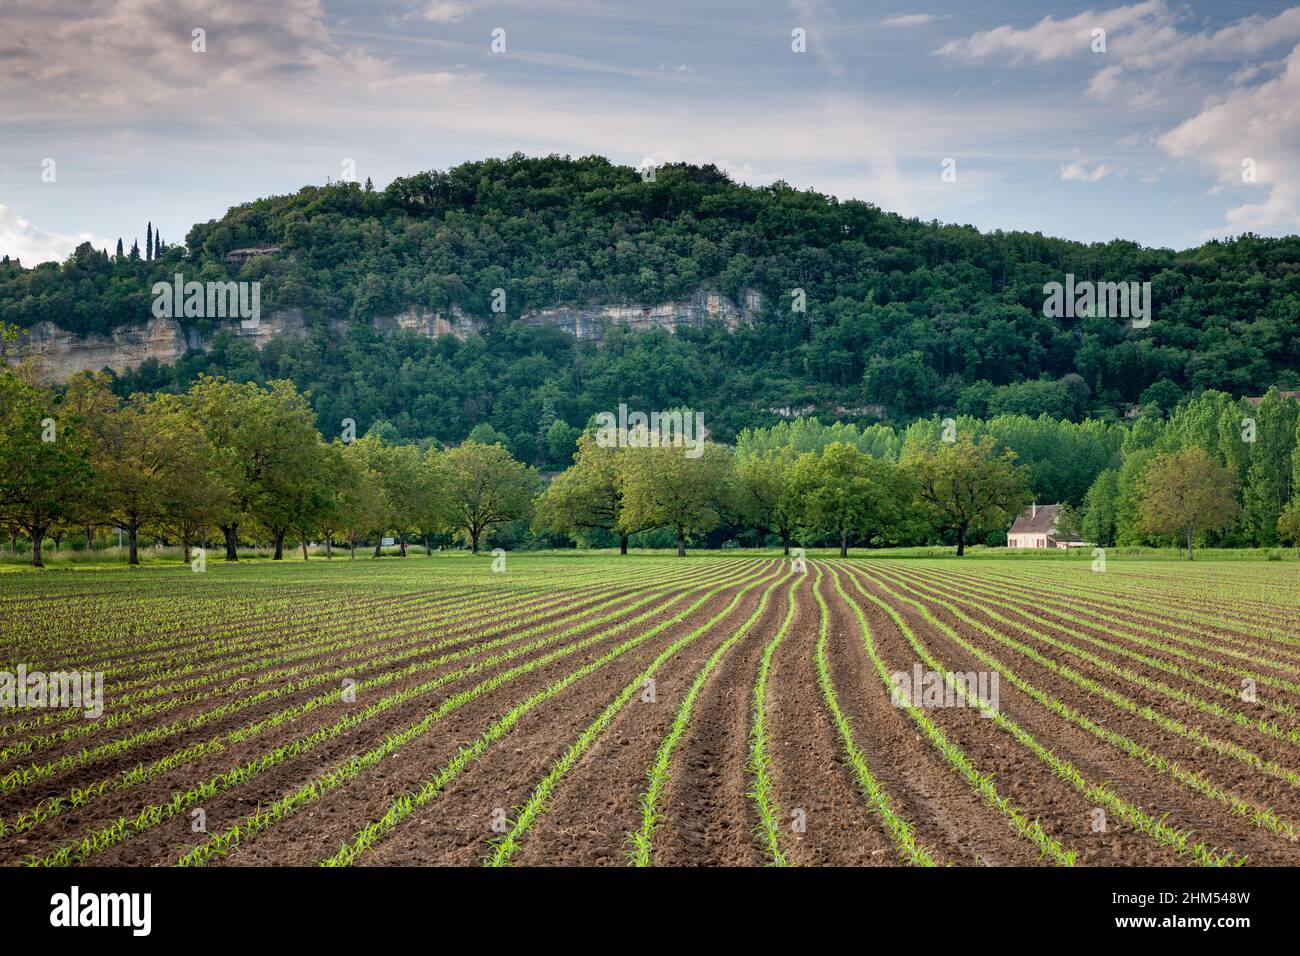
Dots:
pixel 904 319
pixel 248 462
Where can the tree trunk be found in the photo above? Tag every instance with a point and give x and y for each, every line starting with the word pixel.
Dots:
pixel 681 545
pixel 329 546
pixel 131 532
pixel 379 544
pixel 231 531
pixel 90 538
pixel 38 535
pixel 279 547
pixel 428 548
pixel 304 549
pixel 401 543
pixel 185 549
pixel 961 542
pixel 622 544
pixel 785 545
pixel 844 544
pixel 473 541
pixel 1189 544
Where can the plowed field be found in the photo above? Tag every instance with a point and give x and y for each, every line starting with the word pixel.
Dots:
pixel 654 711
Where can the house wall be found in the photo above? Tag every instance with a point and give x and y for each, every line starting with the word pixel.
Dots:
pixel 1026 540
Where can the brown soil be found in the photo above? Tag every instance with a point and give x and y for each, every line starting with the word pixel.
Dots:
pixel 706 816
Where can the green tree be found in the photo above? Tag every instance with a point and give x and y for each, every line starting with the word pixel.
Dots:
pixel 267 443
pixel 587 496
pixel 1268 486
pixel 768 496
pixel 486 487
pixel 46 457
pixel 1288 524
pixel 192 489
pixel 362 507
pixel 1099 518
pixel 966 484
pixel 1185 493
pixel 846 493
pixel 663 488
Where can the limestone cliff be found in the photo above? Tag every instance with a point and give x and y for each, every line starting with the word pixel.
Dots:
pixel 59 354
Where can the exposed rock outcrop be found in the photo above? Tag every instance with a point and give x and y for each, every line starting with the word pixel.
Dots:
pixel 59 354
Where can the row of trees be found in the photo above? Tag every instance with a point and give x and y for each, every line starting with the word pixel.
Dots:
pixel 244 462
pixel 835 493
pixel 237 460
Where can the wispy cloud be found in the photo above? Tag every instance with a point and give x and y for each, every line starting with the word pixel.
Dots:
pixel 909 20
pixel 1080 171
pixel 20 239
pixel 445 11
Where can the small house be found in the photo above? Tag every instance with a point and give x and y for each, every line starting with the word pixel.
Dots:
pixel 1036 528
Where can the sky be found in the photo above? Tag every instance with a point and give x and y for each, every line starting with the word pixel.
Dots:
pixel 1175 125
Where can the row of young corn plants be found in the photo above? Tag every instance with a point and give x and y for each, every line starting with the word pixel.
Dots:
pixel 759 763
pixel 505 847
pixel 979 781
pixel 1105 593
pixel 1129 632
pixel 51 807
pixel 985 600
pixel 204 621
pixel 642 839
pixel 227 637
pixel 404 805
pixel 1265 587
pixel 1179 841
pixel 1223 646
pixel 359 658
pixel 899 830
pixel 252 652
pixel 24 776
pixel 152 815
pixel 1146 712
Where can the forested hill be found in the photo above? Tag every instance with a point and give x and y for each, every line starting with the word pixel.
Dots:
pixel 904 318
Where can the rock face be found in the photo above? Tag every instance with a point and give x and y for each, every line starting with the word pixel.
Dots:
pixel 701 308
pixel 59 354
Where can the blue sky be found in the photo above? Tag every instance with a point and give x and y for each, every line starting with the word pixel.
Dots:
pixel 1144 140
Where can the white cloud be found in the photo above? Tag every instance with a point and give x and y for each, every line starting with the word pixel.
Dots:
pixel 1143 36
pixel 908 20
pixel 1052 39
pixel 1105 82
pixel 20 239
pixel 1260 123
pixel 445 11
pixel 1079 172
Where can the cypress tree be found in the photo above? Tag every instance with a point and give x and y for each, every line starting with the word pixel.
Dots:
pixel 135 250
pixel 148 242
pixel 120 254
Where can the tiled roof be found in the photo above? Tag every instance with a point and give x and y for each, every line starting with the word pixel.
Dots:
pixel 1036 521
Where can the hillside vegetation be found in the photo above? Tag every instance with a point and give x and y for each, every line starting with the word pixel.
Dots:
pixel 904 318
